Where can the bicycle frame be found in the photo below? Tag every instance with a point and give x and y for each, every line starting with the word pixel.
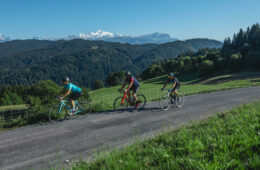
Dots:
pixel 126 95
pixel 63 103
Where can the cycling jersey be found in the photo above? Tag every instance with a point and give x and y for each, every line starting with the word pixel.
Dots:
pixel 132 79
pixel 172 81
pixel 73 88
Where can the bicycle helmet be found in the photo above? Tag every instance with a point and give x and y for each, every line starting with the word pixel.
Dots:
pixel 170 75
pixel 127 73
pixel 66 78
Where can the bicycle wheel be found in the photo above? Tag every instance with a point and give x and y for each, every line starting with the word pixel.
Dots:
pixel 142 100
pixel 179 100
pixel 84 107
pixel 165 102
pixel 57 112
pixel 118 106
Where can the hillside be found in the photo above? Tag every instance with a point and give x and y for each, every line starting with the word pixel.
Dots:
pixel 84 61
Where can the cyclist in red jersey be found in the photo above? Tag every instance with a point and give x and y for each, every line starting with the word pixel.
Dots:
pixel 133 85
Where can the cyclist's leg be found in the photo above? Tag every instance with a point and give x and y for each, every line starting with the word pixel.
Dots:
pixel 72 104
pixel 73 97
pixel 134 93
pixel 175 90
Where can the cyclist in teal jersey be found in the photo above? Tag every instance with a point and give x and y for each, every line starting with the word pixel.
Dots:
pixel 75 92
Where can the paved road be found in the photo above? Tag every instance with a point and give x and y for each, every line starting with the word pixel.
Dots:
pixel 38 146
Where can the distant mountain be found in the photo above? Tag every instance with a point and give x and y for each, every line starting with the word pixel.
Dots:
pixel 155 38
pixel 4 38
pixel 84 61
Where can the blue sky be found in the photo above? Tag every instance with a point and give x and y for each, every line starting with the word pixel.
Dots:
pixel 182 19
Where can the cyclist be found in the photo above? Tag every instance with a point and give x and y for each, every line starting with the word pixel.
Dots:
pixel 133 85
pixel 69 87
pixel 175 84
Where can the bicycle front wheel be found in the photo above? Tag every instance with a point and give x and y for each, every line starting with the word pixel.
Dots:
pixel 141 101
pixel 57 112
pixel 119 106
pixel 165 102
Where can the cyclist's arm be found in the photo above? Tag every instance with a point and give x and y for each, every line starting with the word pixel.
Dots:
pixel 130 85
pixel 67 93
pixel 174 84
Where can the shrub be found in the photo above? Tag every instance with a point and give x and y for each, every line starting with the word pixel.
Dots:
pixel 206 68
pixel 98 84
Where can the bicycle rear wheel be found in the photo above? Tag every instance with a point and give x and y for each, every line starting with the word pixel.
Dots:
pixel 118 106
pixel 57 112
pixel 142 101
pixel 165 102
pixel 179 100
pixel 84 107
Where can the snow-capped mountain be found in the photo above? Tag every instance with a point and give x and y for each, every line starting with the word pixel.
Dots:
pixel 157 38
pixel 4 38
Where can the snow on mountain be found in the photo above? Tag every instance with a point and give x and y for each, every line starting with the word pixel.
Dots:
pixel 98 34
pixel 157 38
pixel 4 38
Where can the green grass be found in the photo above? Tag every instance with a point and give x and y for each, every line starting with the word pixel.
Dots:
pixel 103 99
pixel 13 107
pixel 225 141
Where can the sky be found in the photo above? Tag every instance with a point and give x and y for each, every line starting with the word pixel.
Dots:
pixel 182 19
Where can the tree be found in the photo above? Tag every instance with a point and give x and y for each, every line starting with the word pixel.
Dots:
pixel 253 60
pixel 206 68
pixel 98 84
pixel 236 62
pixel 114 79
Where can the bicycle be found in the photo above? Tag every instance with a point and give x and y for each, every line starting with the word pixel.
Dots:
pixel 60 111
pixel 123 103
pixel 167 100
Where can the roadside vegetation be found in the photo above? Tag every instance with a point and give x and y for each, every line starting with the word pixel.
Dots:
pixel 228 140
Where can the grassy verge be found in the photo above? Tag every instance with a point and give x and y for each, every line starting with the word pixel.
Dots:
pixel 225 141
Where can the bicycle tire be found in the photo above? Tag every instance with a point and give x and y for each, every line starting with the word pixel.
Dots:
pixel 117 105
pixel 55 115
pixel 84 107
pixel 165 102
pixel 179 102
pixel 142 100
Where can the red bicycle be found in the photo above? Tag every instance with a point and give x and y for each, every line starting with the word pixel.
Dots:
pixel 124 103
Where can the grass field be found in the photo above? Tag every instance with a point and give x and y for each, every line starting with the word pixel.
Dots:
pixel 103 99
pixel 225 141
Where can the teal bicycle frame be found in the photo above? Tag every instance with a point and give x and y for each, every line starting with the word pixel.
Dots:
pixel 76 103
